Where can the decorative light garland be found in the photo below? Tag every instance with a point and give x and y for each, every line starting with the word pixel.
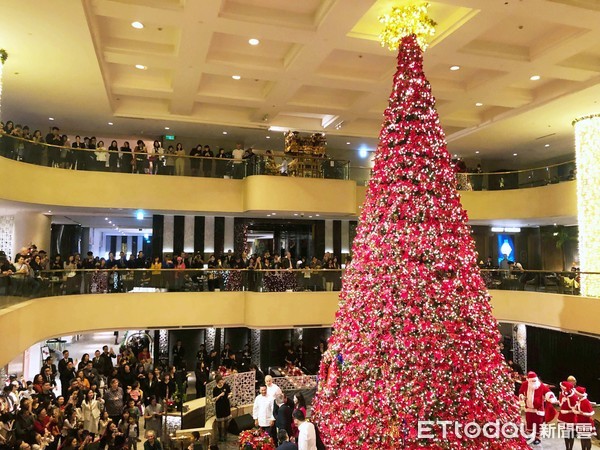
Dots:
pixel 587 145
pixel 3 58
pixel 406 21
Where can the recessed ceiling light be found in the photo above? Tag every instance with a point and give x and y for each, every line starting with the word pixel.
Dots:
pixel 110 123
pixel 253 41
pixel 50 118
pixel 137 25
pixel 224 132
pixel 295 214
pixel 310 217
pixel 236 77
pixel 317 215
pixel 106 218
pixel 268 215
pixel 273 214
pixel 347 143
pixel 109 221
pixel 140 66
pixel 49 211
pixel 454 68
pixel 167 128
pixel 547 145
pixel 535 78
pixel 478 104
pixel 515 154
pixel 477 152
pixel 268 137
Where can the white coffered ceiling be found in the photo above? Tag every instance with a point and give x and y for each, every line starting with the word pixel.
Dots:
pixel 318 65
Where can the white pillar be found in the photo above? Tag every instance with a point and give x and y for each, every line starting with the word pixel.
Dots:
pixel 209 234
pixel 168 234
pixel 32 227
pixel 329 236
pixel 188 234
pixel 229 239
pixel 587 152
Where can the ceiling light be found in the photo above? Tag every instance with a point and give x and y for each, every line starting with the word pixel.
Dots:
pixel 110 123
pixel 478 104
pixel 137 25
pixel 295 214
pixel 167 128
pixel 347 143
pixel 273 214
pixel 477 152
pixel 454 68
pixel 515 154
pixel 317 215
pixel 106 218
pixel 49 211
pixel 547 145
pixel 268 215
pixel 253 41
pixel 224 132
pixel 110 221
pixel 139 215
pixel 268 137
pixel 362 153
pixel 535 78
pixel 236 77
pixel 140 66
pixel 310 217
pixel 50 118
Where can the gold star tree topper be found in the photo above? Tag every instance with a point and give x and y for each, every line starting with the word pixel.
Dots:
pixel 404 21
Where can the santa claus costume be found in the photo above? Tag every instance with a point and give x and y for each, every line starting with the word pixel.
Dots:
pixel 536 395
pixel 584 414
pixel 568 403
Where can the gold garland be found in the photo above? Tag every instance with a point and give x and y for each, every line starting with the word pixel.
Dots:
pixel 405 21
pixel 590 116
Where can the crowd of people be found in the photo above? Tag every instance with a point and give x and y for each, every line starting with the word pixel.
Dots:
pixel 34 272
pixel 92 404
pixel 59 150
pixel 108 401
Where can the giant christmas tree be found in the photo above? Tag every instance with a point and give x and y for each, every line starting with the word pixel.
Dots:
pixel 414 338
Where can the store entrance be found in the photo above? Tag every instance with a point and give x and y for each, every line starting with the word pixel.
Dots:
pixel 279 236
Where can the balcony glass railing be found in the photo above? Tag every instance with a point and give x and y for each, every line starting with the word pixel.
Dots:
pixel 128 160
pixel 18 287
pixel 496 181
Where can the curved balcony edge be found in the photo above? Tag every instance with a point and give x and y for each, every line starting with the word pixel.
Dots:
pixel 25 324
pixel 228 196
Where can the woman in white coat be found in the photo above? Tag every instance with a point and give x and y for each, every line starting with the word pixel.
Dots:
pixel 91 409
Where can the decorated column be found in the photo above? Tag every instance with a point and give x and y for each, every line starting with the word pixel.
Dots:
pixel 414 357
pixel 587 152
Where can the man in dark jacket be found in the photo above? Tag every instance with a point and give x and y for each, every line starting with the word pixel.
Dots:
pixel 284 441
pixel 282 414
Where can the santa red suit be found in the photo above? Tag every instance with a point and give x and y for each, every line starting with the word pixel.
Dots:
pixel 584 412
pixel 536 395
pixel 568 402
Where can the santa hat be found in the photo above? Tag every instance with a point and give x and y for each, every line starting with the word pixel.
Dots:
pixel 531 376
pixel 581 391
pixel 566 386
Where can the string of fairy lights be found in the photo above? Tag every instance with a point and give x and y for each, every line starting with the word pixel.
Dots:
pixel 3 58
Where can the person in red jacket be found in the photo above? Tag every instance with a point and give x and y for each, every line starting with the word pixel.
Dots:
pixel 584 414
pixel 568 402
pixel 535 394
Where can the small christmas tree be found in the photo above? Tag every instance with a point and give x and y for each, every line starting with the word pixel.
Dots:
pixel 414 338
